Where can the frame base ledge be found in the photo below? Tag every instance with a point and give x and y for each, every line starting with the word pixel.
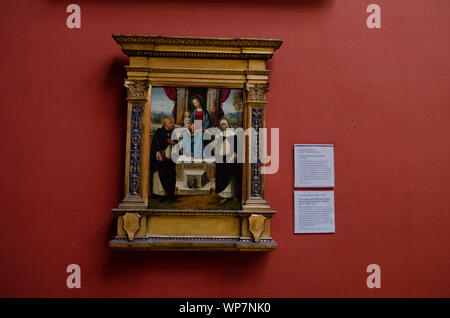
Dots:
pixel 150 244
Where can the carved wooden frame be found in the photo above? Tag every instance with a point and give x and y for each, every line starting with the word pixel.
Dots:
pixel 192 62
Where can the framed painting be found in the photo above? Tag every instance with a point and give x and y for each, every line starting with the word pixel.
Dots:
pixel 190 183
pixel 195 180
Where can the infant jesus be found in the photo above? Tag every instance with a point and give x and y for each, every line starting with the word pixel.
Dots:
pixel 187 134
pixel 187 123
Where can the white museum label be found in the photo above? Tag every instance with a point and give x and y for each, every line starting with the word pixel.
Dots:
pixel 314 212
pixel 314 166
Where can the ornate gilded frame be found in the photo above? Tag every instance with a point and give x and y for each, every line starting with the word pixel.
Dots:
pixel 192 62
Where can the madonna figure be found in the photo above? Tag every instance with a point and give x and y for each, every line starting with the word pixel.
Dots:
pixel 201 120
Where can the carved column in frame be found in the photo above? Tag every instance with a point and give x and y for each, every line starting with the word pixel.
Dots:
pixel 256 103
pixel 136 158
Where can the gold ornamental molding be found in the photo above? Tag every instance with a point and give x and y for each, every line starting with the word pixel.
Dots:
pixel 209 55
pixel 195 41
pixel 187 47
pixel 192 212
pixel 196 71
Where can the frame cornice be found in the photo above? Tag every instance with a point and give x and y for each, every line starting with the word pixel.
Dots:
pixel 197 47
pixel 123 39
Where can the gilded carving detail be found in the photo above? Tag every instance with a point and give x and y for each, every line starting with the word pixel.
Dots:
pixel 155 40
pixel 137 89
pixel 255 182
pixel 211 55
pixel 257 92
pixel 135 149
pixel 256 226
pixel 131 224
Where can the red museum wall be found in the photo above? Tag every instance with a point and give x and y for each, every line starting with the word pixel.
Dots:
pixel 381 96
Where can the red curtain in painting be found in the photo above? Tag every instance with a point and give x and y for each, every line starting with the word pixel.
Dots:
pixel 223 95
pixel 171 93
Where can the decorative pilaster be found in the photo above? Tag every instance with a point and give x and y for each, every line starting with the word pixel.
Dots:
pixel 136 164
pixel 256 103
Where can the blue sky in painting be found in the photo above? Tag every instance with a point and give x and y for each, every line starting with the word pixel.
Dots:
pixel 228 105
pixel 160 102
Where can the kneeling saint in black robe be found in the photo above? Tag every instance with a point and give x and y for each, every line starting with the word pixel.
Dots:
pixel 229 171
pixel 162 168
